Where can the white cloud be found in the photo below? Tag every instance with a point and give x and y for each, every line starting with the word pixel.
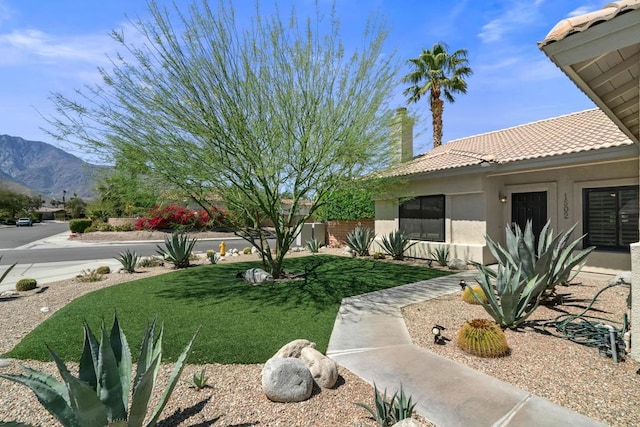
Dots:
pixel 519 13
pixel 580 11
pixel 6 12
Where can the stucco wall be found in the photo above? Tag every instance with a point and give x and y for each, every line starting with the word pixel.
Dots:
pixel 473 208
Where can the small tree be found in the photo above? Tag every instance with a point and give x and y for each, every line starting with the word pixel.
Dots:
pixel 241 114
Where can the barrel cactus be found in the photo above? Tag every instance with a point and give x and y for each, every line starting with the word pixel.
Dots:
pixel 26 284
pixel 483 338
pixel 469 298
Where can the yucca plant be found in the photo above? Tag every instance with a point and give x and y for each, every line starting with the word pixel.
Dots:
pixel 359 240
pixel 389 411
pixel 129 260
pixel 396 244
pixel 511 297
pixel 554 258
pixel 200 379
pixel 178 249
pixel 99 396
pixel 441 255
pixel 313 246
pixel 213 256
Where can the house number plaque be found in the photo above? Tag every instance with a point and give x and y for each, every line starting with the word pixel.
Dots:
pixel 565 207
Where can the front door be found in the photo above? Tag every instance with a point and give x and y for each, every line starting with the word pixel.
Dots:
pixel 529 206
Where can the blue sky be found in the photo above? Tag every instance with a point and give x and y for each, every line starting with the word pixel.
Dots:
pixel 56 46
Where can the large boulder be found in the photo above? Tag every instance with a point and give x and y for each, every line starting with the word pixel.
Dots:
pixel 457 264
pixel 323 370
pixel 286 380
pixel 294 348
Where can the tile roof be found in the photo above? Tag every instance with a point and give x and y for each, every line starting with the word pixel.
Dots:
pixel 577 24
pixel 572 133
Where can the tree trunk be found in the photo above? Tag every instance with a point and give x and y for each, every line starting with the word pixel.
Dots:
pixel 437 107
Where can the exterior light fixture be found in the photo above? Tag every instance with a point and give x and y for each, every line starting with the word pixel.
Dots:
pixel 502 198
pixel 436 330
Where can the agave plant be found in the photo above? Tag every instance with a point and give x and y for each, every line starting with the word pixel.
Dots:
pixel 313 246
pixel 396 244
pixel 178 249
pixel 99 396
pixel 129 260
pixel 441 255
pixel 511 296
pixel 390 411
pixel 554 258
pixel 7 271
pixel 359 240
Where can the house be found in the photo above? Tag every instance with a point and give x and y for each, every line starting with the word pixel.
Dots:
pixel 600 53
pixel 574 169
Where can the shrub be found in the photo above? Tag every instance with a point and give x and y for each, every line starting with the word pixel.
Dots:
pixel 123 227
pixel 129 260
pixel 79 225
pixel 100 395
pixel 88 276
pixel 350 203
pixel 389 411
pixel 552 260
pixel 469 297
pixel 396 244
pixel 246 251
pixel 378 255
pixel 176 217
pixel 103 269
pixel 178 249
pixel 441 255
pixel 148 262
pixel 26 284
pixel 103 226
pixel 482 338
pixel 359 240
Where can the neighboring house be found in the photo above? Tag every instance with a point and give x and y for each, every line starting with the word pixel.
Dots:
pixel 574 169
pixel 600 52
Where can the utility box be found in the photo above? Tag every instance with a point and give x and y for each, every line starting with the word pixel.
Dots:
pixel 310 231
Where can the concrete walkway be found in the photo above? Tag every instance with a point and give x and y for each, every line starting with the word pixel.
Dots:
pixel 370 339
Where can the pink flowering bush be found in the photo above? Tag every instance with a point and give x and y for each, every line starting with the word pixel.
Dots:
pixel 179 217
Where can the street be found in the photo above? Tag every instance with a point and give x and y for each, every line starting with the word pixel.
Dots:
pixel 13 237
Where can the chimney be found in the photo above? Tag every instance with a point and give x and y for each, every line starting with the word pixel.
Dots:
pixel 401 137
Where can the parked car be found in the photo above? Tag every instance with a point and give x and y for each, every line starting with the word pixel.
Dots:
pixel 24 222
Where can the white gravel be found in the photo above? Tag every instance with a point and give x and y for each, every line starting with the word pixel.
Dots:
pixel 564 372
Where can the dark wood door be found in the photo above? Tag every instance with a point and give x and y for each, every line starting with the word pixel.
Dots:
pixel 529 206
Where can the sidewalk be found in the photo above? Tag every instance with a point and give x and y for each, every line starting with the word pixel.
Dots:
pixel 371 340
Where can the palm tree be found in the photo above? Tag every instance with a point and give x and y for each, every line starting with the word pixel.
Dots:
pixel 437 73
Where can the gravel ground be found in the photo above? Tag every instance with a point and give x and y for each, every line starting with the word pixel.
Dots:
pixel 561 371
pixel 234 399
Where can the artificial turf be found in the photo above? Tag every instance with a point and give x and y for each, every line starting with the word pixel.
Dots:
pixel 238 323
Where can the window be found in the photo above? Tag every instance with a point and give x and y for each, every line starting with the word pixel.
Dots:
pixel 422 218
pixel 611 217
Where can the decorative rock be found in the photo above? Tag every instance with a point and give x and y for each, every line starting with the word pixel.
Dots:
pixel 408 422
pixel 286 380
pixel 457 264
pixel 235 254
pixel 255 276
pixel 294 348
pixel 5 363
pixel 7 294
pixel 254 250
pixel 323 370
pixel 45 309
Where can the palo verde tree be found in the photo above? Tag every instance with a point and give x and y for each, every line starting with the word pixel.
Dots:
pixel 241 113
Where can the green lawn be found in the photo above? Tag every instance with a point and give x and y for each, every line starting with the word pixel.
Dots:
pixel 240 323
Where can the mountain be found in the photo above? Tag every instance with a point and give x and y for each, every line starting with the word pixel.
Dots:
pixel 44 169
